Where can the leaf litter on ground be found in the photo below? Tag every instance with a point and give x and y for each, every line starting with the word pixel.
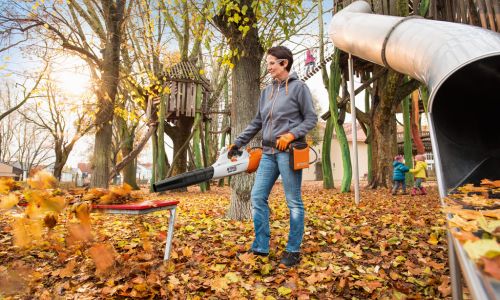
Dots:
pixel 475 222
pixel 388 247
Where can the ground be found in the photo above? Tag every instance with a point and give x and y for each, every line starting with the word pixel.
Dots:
pixel 390 247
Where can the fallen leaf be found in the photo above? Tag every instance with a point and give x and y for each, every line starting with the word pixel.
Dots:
pixel 445 287
pixel 266 269
pixel 394 275
pixel 284 291
pixel 187 251
pixel 218 267
pixel 219 284
pixel 247 258
pixel 68 270
pixel 492 266
pixel 485 247
pixel 464 236
pixel 232 277
pixel 433 240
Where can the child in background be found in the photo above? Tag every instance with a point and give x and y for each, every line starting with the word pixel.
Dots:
pixel 310 60
pixel 419 174
pixel 398 175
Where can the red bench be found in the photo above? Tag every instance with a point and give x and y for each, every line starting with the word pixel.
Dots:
pixel 142 208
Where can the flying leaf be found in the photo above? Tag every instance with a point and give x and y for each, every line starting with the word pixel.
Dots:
pixel 26 232
pixel 104 257
pixel 7 185
pixel 42 180
pixel 78 233
pixel 8 201
pixel 50 220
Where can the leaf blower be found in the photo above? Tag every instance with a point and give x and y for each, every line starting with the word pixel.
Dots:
pixel 248 161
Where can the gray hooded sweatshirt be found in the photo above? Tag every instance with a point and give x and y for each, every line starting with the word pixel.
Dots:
pixel 283 107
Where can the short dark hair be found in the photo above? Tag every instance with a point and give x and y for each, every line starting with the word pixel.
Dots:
pixel 282 52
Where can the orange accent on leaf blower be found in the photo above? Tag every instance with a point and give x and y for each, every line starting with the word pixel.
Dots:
pixel 254 161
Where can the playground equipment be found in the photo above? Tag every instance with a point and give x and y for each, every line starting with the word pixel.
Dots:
pixel 460 64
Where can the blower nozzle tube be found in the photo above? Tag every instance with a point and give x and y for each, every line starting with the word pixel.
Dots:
pixel 183 180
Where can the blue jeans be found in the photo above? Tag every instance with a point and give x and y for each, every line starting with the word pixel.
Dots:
pixel 418 182
pixel 270 167
pixel 397 184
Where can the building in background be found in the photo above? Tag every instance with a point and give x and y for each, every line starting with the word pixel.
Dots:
pixel 314 171
pixel 7 170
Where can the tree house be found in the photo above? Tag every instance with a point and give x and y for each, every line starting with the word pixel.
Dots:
pixel 184 81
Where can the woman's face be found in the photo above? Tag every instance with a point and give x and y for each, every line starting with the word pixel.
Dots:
pixel 277 67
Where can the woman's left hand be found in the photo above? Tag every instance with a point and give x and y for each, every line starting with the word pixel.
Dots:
pixel 284 140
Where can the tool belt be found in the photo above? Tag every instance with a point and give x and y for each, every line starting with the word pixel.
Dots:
pixel 299 153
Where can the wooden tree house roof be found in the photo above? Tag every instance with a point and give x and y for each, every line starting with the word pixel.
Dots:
pixel 186 71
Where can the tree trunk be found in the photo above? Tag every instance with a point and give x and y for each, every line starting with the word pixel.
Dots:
pixel 154 146
pixel 326 162
pixel 345 186
pixel 197 137
pixel 208 145
pixel 182 133
pixel 130 170
pixel 245 97
pixel 384 145
pixel 415 121
pixel 59 165
pixel 408 147
pixel 102 156
pixel 161 167
pixel 368 134
pixel 106 95
pixel 225 123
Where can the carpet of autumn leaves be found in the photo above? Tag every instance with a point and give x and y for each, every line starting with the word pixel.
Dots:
pixel 390 247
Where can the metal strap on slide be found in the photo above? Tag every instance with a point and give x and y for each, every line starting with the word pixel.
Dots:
pixel 386 39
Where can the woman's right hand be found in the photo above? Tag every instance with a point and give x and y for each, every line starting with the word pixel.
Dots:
pixel 233 151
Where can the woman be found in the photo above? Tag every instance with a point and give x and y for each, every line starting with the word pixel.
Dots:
pixel 285 114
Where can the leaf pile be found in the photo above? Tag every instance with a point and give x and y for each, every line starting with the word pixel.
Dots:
pixel 475 222
pixel 115 195
pixel 390 247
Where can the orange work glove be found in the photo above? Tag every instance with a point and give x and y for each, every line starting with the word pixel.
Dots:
pixel 284 140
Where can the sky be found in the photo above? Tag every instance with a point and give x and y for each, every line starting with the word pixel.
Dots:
pixel 73 78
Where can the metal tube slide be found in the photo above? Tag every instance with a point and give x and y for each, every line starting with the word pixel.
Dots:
pixel 460 64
